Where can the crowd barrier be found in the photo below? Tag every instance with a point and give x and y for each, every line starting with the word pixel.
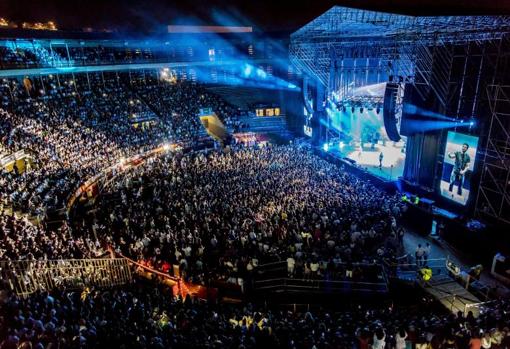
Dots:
pixel 273 277
pixel 28 277
pixel 320 286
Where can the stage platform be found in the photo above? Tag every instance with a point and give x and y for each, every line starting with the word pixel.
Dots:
pixel 367 157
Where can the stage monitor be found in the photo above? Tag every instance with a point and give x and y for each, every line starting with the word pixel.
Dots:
pixel 458 165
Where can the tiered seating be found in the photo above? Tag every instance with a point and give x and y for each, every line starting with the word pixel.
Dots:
pixel 79 126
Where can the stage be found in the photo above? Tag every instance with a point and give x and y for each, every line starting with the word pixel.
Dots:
pixel 367 157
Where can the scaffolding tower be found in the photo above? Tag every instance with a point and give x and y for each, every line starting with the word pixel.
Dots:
pixel 459 66
pixel 493 199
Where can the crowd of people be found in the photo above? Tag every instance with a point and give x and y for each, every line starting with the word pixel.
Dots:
pixel 77 127
pixel 177 101
pixel 145 315
pixel 71 128
pixel 219 215
pixel 216 214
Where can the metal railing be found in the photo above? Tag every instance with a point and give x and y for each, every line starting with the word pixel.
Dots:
pixel 273 277
pixel 478 308
pixel 319 285
pixel 27 277
pixel 408 263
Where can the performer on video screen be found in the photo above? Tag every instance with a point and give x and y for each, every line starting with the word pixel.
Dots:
pixel 460 167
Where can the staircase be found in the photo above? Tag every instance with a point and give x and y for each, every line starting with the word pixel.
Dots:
pixel 214 127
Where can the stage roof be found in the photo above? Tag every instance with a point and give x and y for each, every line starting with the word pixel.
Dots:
pixel 397 40
pixel 344 22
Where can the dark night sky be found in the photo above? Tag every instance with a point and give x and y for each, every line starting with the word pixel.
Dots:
pixel 268 15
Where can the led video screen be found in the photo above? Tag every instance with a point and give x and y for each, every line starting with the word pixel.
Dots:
pixel 458 165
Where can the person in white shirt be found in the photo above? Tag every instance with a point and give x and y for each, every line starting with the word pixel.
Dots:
pixel 291 263
pixel 486 341
pixel 379 339
pixel 419 254
pixel 400 339
pixel 496 336
pixel 314 268
pixel 249 266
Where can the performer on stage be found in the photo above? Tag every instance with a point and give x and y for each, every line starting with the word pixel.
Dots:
pixel 381 156
pixel 460 167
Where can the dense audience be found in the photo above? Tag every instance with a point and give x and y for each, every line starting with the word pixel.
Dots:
pixel 77 127
pixel 72 129
pixel 21 239
pixel 14 57
pixel 145 316
pixel 175 102
pixel 219 215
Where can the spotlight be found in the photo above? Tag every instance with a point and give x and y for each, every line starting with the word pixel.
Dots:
pixel 471 123
pixel 341 145
pixel 325 147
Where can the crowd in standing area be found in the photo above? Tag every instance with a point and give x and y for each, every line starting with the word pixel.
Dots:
pixel 220 215
pixel 145 316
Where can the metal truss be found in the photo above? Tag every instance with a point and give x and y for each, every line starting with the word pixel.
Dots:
pixel 417 48
pixel 493 199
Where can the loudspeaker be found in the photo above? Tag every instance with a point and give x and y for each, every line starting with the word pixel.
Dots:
pixel 390 111
pixel 305 95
